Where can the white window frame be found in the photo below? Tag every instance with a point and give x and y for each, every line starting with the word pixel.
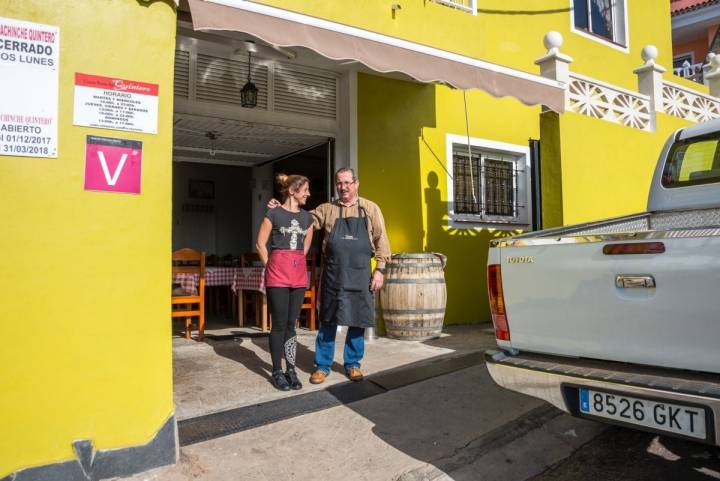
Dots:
pixel 460 5
pixel 690 54
pixel 523 201
pixel 621 28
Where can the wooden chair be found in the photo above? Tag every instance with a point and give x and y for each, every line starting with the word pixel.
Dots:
pixel 310 300
pixel 187 304
pixel 253 299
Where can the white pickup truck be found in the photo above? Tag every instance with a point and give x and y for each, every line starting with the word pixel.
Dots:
pixel 619 320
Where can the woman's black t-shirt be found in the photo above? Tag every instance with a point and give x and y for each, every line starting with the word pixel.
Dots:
pixel 288 228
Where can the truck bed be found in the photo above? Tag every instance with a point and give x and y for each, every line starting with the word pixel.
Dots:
pixel 642 224
pixel 562 295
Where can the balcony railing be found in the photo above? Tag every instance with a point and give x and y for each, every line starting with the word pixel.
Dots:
pixel 682 102
pixel 635 109
pixel 598 99
pixel 692 71
pixel 465 5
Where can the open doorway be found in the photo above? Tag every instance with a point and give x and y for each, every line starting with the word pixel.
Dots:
pixel 226 153
pixel 225 159
pixel 223 176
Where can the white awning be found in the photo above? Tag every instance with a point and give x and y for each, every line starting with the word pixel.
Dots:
pixel 379 52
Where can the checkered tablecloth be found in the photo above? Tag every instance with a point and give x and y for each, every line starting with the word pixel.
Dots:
pixel 251 278
pixel 238 278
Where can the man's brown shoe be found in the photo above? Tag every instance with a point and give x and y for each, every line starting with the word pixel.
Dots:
pixel 317 377
pixel 354 374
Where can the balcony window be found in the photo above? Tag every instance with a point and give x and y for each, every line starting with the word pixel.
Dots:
pixel 601 19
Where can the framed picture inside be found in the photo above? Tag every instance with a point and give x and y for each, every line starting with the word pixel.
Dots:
pixel 201 189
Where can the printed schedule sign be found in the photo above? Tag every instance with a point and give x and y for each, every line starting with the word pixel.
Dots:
pixel 113 103
pixel 113 165
pixel 29 64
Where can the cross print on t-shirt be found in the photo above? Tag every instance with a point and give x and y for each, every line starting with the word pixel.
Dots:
pixel 294 229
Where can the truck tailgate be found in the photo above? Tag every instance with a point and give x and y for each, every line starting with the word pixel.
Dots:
pixel 563 299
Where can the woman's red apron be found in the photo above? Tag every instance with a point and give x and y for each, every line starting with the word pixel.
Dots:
pixel 286 268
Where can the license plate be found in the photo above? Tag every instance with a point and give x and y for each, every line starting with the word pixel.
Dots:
pixel 662 416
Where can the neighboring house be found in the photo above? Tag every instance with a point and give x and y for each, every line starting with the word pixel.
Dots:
pixel 695 33
pixel 463 126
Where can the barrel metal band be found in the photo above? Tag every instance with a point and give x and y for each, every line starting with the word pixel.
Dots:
pixel 437 265
pixel 413 328
pixel 440 310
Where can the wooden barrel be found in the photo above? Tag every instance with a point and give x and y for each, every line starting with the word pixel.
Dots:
pixel 413 297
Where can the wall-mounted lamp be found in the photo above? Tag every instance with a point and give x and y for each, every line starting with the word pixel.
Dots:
pixel 249 92
pixel 394 8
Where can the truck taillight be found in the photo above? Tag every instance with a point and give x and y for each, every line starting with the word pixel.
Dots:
pixel 497 303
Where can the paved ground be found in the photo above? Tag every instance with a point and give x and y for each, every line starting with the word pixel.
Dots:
pixel 456 426
pixel 627 455
pixel 459 426
pixel 233 372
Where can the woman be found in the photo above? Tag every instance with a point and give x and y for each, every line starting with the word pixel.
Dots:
pixel 289 229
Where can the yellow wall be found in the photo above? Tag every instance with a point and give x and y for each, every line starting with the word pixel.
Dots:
pixel 85 279
pixel 507 33
pixel 402 165
pixel 607 168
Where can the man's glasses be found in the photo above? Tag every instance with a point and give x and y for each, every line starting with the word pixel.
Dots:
pixel 344 184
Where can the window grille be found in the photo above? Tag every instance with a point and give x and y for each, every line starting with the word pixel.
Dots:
pixel 493 178
pixel 464 184
pixel 499 181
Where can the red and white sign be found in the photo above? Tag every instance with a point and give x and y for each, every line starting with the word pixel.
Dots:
pixel 113 103
pixel 29 64
pixel 113 165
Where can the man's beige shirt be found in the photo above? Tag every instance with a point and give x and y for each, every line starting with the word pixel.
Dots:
pixel 326 214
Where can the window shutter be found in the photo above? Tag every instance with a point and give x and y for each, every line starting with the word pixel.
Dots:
pixel 305 93
pixel 182 74
pixel 220 80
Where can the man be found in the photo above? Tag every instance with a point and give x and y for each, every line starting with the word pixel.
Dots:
pixel 354 232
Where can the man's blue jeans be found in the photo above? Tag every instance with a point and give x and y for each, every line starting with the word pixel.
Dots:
pixel 325 347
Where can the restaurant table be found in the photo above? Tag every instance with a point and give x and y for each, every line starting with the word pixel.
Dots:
pixel 251 279
pixel 240 279
pixel 214 276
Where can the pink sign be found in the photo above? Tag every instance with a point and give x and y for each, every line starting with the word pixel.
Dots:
pixel 113 165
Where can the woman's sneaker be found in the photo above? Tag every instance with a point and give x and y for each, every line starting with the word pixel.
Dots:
pixel 293 380
pixel 280 381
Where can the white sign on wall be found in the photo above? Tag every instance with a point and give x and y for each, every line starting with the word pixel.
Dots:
pixel 114 103
pixel 29 64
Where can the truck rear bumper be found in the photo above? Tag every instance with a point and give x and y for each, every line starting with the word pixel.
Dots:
pixel 557 379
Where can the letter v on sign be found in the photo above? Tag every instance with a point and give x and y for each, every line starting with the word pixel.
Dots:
pixel 113 165
pixel 106 171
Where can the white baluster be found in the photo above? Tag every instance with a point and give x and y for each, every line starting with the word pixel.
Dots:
pixel 650 79
pixel 553 64
pixel 713 77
